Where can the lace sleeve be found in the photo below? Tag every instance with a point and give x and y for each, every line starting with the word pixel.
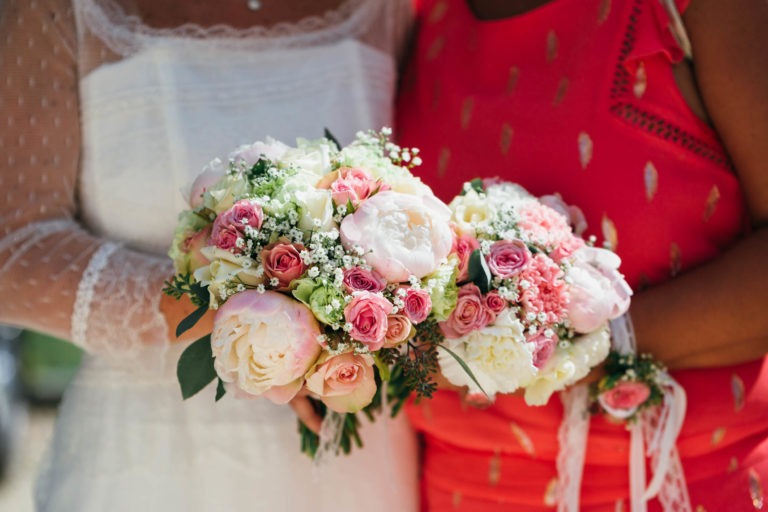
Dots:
pixel 58 278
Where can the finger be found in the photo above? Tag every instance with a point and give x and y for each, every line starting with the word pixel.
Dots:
pixel 306 413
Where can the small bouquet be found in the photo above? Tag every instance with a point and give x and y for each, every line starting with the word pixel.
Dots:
pixel 534 298
pixel 321 263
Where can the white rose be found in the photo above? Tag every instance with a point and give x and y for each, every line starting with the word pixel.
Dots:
pixel 471 211
pixel 506 193
pixel 498 355
pixel 316 209
pixel 225 271
pixel 310 156
pixel 568 366
pixel 223 194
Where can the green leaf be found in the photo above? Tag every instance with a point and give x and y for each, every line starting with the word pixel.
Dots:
pixel 464 367
pixel 328 135
pixel 479 273
pixel 195 369
pixel 260 168
pixel 220 390
pixel 477 185
pixel 191 319
pixel 383 368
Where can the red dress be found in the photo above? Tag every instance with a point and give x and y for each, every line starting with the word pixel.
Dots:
pixel 578 97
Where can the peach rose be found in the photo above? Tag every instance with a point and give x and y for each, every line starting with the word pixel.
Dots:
pixel 345 382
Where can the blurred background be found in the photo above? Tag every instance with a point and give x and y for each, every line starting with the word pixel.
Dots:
pixel 34 370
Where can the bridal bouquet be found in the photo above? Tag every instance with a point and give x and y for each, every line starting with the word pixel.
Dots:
pixel 321 263
pixel 534 298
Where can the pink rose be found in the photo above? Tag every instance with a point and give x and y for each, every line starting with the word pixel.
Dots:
pixel 543 349
pixel 494 302
pixel 508 258
pixel 191 257
pixel 282 261
pixel 624 398
pixel 360 279
pixel 202 183
pixel 345 382
pixel 464 246
pixel 469 315
pixel 418 305
pixel 264 343
pixel 598 292
pixel 573 214
pixel 399 329
pixel 368 314
pixel 230 225
pixel 354 185
pixel 400 235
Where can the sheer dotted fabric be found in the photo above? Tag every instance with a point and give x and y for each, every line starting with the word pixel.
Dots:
pixel 44 252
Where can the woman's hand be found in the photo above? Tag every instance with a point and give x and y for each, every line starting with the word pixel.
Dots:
pixel 303 408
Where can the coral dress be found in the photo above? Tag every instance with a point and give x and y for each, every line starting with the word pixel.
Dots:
pixel 578 97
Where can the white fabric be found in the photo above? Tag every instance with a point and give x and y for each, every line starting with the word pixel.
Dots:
pixel 572 438
pixel 152 114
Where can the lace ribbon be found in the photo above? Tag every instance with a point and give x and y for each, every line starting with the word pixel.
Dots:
pixel 330 439
pixel 85 290
pixel 654 436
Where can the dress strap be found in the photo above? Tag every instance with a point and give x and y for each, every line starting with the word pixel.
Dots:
pixel 677 28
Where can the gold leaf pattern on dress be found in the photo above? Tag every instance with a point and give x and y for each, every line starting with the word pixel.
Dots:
pixel 586 147
pixel 550 493
pixel 514 76
pixel 436 48
pixel 494 468
pixel 733 465
pixel 700 508
pixel 436 89
pixel 551 46
pixel 506 138
pixel 522 437
pixel 675 259
pixel 711 206
pixel 755 489
pixel 641 81
pixel 466 111
pixel 442 164
pixel 619 506
pixel 604 11
pixel 438 12
pixel 610 235
pixel 456 499
pixel 717 436
pixel 651 180
pixel 562 88
pixel 737 388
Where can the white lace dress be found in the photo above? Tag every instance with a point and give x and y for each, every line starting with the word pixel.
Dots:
pixel 104 121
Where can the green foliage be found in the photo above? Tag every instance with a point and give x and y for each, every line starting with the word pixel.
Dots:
pixel 195 368
pixel 185 284
pixel 479 273
pixel 328 135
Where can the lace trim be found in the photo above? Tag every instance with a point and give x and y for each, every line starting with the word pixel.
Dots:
pixel 30 234
pixel 572 441
pixel 84 297
pixel 630 112
pixel 126 34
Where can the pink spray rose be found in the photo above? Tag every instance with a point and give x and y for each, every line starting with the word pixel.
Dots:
pixel 399 329
pixel 507 258
pixel 623 399
pixel 354 185
pixel 282 261
pixel 360 279
pixel 469 315
pixel 464 246
pixel 544 347
pixel 418 305
pixel 201 184
pixel 368 314
pixel 494 302
pixel 230 225
pixel 345 382
pixel 264 343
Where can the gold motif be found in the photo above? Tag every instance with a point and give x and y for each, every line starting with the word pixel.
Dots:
pixel 437 47
pixel 551 46
pixel 712 200
pixel 562 88
pixel 466 111
pixel 700 508
pixel 755 489
pixel 494 468
pixel 522 438
pixel 442 167
pixel 737 388
pixel 619 506
pixel 675 259
pixel 438 12
pixel 585 149
pixel 733 465
pixel 651 179
pixel 506 138
pixel 550 493
pixel 605 10
pixel 456 499
pixel 514 76
pixel 717 435
pixel 641 81
pixel 610 235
